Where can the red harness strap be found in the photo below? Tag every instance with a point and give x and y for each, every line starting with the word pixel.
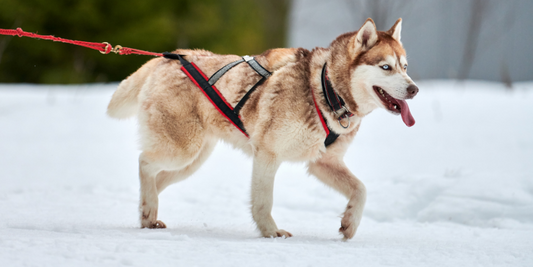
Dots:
pixel 324 125
pixel 331 136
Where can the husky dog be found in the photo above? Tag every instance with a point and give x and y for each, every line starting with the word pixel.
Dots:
pixel 285 117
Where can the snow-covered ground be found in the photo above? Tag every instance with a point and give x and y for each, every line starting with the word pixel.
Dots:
pixel 454 190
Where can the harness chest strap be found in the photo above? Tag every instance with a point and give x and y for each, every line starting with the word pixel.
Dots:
pixel 331 136
pixel 335 103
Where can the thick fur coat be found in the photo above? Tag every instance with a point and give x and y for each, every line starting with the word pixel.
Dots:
pixel 179 127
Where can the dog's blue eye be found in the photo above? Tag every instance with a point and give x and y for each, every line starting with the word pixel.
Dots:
pixel 405 66
pixel 385 67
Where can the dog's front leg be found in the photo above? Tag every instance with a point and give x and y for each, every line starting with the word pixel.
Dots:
pixel 264 171
pixel 332 171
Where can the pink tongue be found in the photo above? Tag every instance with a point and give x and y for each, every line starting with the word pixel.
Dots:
pixel 406 114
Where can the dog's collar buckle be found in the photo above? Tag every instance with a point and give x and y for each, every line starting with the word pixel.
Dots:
pixel 346 114
pixel 343 113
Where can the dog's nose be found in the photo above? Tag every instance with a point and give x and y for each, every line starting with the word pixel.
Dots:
pixel 412 90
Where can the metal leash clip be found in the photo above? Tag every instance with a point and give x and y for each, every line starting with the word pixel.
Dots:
pixel 115 50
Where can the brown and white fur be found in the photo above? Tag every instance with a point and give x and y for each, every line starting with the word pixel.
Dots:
pixel 179 127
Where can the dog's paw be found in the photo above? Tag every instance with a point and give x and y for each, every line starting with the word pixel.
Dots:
pixel 149 217
pixel 278 233
pixel 283 233
pixel 348 227
pixel 153 225
pixel 350 221
pixel 347 231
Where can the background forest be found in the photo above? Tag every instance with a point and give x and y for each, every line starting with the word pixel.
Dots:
pixel 222 26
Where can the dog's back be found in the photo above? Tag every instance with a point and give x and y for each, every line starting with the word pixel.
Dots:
pixel 125 103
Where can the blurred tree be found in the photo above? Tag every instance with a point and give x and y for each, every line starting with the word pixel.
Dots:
pixel 222 26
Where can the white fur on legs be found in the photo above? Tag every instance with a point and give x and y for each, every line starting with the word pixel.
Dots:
pixel 264 171
pixel 333 172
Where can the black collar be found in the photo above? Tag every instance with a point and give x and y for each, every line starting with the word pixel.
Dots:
pixel 335 102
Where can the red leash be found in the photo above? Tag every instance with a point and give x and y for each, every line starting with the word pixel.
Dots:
pixel 104 47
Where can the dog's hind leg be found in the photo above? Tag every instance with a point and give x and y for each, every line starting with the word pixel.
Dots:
pixel 156 176
pixel 149 202
pixel 264 171
pixel 166 178
pixel 331 170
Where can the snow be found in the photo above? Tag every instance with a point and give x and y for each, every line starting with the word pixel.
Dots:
pixel 455 189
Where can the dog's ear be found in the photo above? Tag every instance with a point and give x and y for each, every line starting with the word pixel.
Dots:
pixel 396 30
pixel 367 36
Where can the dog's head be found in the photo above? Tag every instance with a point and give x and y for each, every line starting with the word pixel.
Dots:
pixel 378 70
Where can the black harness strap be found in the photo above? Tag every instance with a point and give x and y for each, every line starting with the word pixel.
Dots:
pixel 332 136
pixel 261 71
pixel 210 91
pixel 239 105
pixel 257 67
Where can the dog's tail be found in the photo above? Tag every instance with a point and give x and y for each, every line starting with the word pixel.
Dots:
pixel 124 102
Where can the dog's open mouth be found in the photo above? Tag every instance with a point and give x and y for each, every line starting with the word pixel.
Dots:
pixel 395 106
